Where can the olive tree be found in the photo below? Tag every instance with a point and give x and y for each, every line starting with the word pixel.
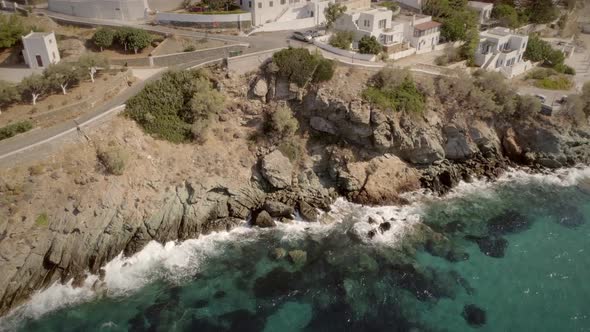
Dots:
pixel 34 86
pixel 332 13
pixel 61 76
pixel 89 64
pixel 103 38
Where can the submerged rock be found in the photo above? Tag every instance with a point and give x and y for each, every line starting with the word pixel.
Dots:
pixel 474 315
pixel 278 253
pixel 298 257
pixel 490 245
pixel 508 222
pixel 276 283
pixel 384 227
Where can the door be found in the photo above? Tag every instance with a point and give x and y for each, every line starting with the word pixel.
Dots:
pixel 39 61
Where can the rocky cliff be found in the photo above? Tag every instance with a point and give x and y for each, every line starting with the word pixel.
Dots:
pixel 72 218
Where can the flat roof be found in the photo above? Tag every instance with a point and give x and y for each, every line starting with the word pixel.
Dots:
pixel 427 25
pixel 38 34
pixel 479 4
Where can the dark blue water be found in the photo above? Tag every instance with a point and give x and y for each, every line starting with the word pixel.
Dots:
pixel 516 251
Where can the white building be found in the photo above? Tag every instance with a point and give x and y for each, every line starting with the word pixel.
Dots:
pixel 293 14
pixel 123 10
pixel 483 9
pixel 417 31
pixel 502 51
pixel 40 49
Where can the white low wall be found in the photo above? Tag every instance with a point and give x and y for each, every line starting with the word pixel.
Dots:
pixel 199 18
pixel 402 54
pixel 348 54
pixel 105 9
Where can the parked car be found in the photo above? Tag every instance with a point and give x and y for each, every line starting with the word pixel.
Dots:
pixel 541 98
pixel 303 36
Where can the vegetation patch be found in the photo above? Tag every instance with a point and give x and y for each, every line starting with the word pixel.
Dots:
pixel 369 45
pixel 42 220
pixel 395 89
pixel 300 66
pixel 113 158
pixel 558 82
pixel 15 129
pixel 178 107
pixel 341 39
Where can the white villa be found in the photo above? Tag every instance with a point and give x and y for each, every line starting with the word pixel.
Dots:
pixel 502 51
pixel 483 9
pixel 416 31
pixel 40 49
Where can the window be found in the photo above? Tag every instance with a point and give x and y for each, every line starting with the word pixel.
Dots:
pixel 260 5
pixel 241 2
pixel 382 24
pixel 39 61
pixel 50 41
pixel 283 2
pixel 356 22
pixel 523 46
pixel 53 55
pixel 367 23
pixel 270 4
pixel 249 4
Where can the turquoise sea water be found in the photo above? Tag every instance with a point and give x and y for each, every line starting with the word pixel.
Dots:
pixel 539 279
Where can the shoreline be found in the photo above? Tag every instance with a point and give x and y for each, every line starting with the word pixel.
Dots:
pixel 173 254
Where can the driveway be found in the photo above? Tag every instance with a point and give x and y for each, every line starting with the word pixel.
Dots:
pixel 16 74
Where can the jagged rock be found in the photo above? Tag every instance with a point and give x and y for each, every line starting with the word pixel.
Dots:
pixel 298 257
pixel 264 220
pixel 260 88
pixel 283 90
pixel 458 145
pixel 278 209
pixel 307 212
pixel 425 150
pixel 323 125
pixel 511 147
pixel 384 227
pixel 277 169
pixel 359 113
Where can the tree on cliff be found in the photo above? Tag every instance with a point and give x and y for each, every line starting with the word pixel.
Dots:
pixel 138 39
pixel 506 15
pixel 299 66
pixel 205 103
pixel 103 38
pixel 332 13
pixel 8 94
pixel 542 11
pixel 34 86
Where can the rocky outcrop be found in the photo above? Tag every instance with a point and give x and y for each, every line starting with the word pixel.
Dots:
pixel 277 169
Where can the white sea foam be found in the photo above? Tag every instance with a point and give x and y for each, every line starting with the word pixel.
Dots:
pixel 176 261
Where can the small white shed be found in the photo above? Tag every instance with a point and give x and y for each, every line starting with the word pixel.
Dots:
pixel 40 49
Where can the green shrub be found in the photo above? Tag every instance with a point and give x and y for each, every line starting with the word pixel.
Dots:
pixel 559 82
pixel 395 89
pixel 299 66
pixel 369 45
pixel 103 38
pixel 341 39
pixel 282 123
pixel 14 129
pixel 541 73
pixel 540 50
pixel 42 220
pixel 565 69
pixel 389 5
pixel 290 148
pixel 189 48
pixel 176 107
pixel 113 159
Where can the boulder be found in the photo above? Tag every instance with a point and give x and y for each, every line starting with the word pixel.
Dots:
pixel 359 113
pixel 308 212
pixel 277 169
pixel 323 125
pixel 382 179
pixel 425 150
pixel 511 147
pixel 278 253
pixel 278 209
pixel 384 227
pixel 260 88
pixel 264 220
pixel 298 257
